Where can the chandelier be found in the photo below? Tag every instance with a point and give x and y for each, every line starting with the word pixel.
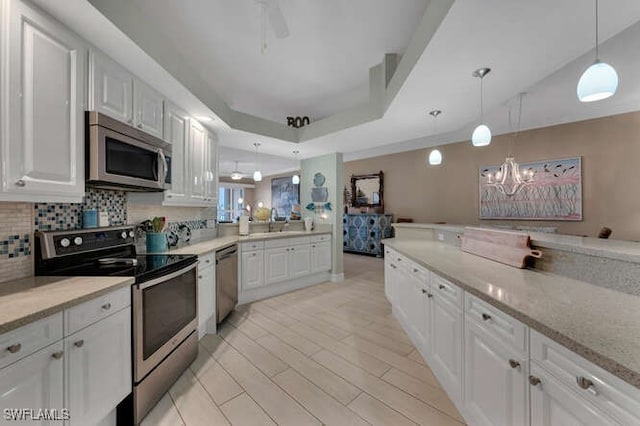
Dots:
pixel 509 179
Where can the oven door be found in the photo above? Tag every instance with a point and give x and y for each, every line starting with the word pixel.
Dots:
pixel 165 312
pixel 121 160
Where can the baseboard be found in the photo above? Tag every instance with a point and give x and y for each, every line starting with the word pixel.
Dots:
pixel 337 278
pixel 270 290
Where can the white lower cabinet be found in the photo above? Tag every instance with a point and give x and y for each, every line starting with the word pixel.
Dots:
pixel 411 305
pixel 34 382
pixel 206 300
pixel 495 385
pixel 299 261
pixel 276 265
pixel 553 404
pixel 446 345
pixel 98 368
pixel 252 269
pixel 321 257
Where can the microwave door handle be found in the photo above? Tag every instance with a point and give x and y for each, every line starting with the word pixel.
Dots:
pixel 162 167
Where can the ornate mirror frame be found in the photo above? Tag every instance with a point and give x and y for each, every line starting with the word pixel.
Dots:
pixel 354 189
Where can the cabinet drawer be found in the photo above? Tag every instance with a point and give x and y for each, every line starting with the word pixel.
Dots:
pixel 607 392
pixel 23 341
pixel 420 273
pixel 500 325
pixel 447 290
pixel 252 246
pixel 287 242
pixel 207 260
pixel 96 309
pixel 320 238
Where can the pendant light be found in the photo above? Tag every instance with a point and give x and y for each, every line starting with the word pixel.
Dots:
pixel 509 179
pixel 481 135
pixel 435 156
pixel 236 174
pixel 600 80
pixel 257 176
pixel 295 179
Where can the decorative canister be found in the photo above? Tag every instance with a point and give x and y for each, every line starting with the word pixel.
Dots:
pixel 156 242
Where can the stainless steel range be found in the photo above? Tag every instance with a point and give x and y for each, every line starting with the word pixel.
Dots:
pixel 164 299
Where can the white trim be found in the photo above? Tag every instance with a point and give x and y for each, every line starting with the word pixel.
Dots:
pixel 337 278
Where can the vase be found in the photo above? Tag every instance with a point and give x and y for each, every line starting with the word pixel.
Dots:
pixel 156 242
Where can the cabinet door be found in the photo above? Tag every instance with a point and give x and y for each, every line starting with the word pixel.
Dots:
pixel 403 293
pixel 414 301
pixel 554 404
pixel 446 345
pixel 211 172
pixel 110 88
pixel 148 108
pixel 34 382
pixel 495 382
pixel 176 132
pixel 206 298
pixel 276 265
pixel 252 269
pixel 197 150
pixel 98 368
pixel 321 257
pixel 299 261
pixel 46 89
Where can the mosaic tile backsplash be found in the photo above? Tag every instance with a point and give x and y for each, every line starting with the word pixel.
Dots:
pixel 61 216
pixel 15 240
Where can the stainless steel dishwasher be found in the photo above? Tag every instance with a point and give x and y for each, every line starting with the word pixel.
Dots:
pixel 226 281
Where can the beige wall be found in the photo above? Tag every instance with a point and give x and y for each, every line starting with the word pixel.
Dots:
pixel 610 150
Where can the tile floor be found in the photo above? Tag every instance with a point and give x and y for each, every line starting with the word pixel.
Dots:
pixel 328 354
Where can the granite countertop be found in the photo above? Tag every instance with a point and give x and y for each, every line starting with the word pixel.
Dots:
pixel 628 251
pixel 600 324
pixel 29 299
pixel 211 244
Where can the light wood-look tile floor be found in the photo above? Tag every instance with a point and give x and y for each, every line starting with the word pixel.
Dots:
pixel 328 354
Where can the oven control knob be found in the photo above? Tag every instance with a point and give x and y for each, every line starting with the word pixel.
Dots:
pixel 65 242
pixel 124 235
pixel 77 241
pixel 131 234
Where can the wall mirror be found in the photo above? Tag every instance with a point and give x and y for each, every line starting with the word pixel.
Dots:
pixel 367 190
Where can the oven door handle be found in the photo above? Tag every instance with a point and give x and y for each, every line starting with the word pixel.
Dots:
pixel 164 278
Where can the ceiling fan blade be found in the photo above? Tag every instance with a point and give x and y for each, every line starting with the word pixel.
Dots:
pixel 278 23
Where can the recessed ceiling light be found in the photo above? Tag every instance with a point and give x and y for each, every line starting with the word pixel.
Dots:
pixel 203 118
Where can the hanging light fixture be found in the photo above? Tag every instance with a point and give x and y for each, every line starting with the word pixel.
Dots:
pixel 600 80
pixel 482 134
pixel 435 156
pixel 236 174
pixel 295 179
pixel 509 179
pixel 257 176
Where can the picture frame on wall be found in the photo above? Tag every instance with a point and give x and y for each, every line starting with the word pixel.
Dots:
pixel 284 195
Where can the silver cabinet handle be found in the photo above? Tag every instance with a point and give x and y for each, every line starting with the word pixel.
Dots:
pixel 139 126
pixel 106 306
pixel 415 271
pixel 393 266
pixel 130 120
pixel 442 287
pixel 486 317
pixel 21 183
pixel 586 384
pixel 292 249
pixel 79 343
pixel 199 277
pixel 287 249
pixel 314 246
pixel 57 355
pixel 14 348
pixel 254 254
pixel 513 363
pixel 429 295
pixel 534 381
pixel 208 261
pixel 424 291
pixel 399 260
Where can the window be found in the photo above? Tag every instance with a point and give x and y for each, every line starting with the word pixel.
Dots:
pixel 230 202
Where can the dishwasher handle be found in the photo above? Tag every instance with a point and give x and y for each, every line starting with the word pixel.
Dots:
pixel 226 252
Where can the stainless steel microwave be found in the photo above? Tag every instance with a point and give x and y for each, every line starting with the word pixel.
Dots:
pixel 119 156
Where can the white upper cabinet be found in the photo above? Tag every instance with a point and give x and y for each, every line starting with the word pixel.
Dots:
pixel 176 132
pixel 114 91
pixel 197 152
pixel 110 88
pixel 211 172
pixel 148 109
pixel 42 112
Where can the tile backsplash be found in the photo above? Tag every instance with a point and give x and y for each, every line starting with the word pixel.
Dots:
pixel 16 227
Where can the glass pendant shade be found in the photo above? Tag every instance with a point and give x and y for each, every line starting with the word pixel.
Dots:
pixel 598 82
pixel 257 176
pixel 435 157
pixel 481 136
pixel 236 174
pixel 295 179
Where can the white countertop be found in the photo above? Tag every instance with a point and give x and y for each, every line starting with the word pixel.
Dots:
pixel 628 251
pixel 600 324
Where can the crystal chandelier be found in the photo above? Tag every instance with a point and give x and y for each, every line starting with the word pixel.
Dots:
pixel 510 179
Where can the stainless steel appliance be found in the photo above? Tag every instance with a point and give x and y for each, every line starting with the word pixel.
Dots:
pixel 164 303
pixel 120 156
pixel 226 281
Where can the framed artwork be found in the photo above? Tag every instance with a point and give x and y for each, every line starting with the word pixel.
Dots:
pixel 284 194
pixel 554 194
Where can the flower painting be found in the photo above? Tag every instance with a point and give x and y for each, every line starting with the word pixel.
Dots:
pixel 555 193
